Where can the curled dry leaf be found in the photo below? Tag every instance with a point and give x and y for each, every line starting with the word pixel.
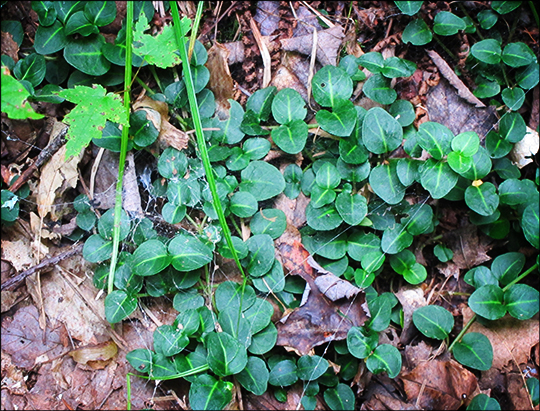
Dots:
pixel 524 150
pixel 328 44
pixel 221 82
pixel 158 113
pixel 97 356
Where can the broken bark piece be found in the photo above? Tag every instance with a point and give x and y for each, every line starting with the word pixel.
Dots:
pixel 453 79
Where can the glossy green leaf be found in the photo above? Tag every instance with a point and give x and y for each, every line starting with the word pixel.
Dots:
pixel 254 377
pixel 100 13
pixel 50 39
pixel 398 67
pixel 283 374
pixel 361 341
pixel 207 393
pixel 483 402
pixel 513 98
pixel 262 180
pixel 172 163
pixel 504 6
pixel 377 88
pixel 415 274
pixel 417 33
pixel 385 358
pixel 31 68
pixel 458 162
pixel 435 138
pixel 291 137
pixel 260 256
pixel 360 244
pixel 380 131
pixel 487 51
pixel 373 61
pixel 507 267
pixel 517 55
pixel 496 145
pixel 271 221
pixel 385 183
pixel 169 340
pixel 433 321
pixel 381 311
pixel 443 253
pixel 85 55
pixel 533 386
pixel 140 359
pixel 480 167
pixel 437 177
pixel 226 355
pixel 263 341
pixel 487 301
pixel 324 218
pixel 119 305
pixel 311 367
pixel 79 24
pixel 530 223
pixel 447 24
pixel 341 397
pixel 521 301
pixel 351 207
pixel 403 112
pixel 528 77
pixel 259 315
pixel 327 244
pixel 260 102
pixel 189 299
pixel 150 258
pixel 230 130
pixel 329 85
pixel 466 143
pixel 485 87
pixel 256 148
pixel 46 14
pixel 243 204
pixel 409 8
pixel 512 127
pixel 487 19
pixel 327 176
pixel 293 177
pixel 229 293
pixel 96 249
pixel 288 105
pixel 189 253
pixel 162 367
pixel 474 351
pixel 341 121
pixel 513 191
pixel 234 323
pixel 395 239
pixel 482 199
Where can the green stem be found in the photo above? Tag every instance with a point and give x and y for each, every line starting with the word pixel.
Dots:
pixel 123 147
pixel 438 40
pixel 534 12
pixel 521 277
pixel 145 86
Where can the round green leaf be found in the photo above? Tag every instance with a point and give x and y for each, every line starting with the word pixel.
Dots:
pixel 46 14
pixel 189 253
pixel 398 67
pixel 291 137
pixel 238 244
pixel 402 261
pixel 395 239
pixel 150 258
pixel 437 177
pixel 435 138
pixel 528 77
pixel 327 176
pixel 407 171
pixel 513 97
pixel 172 163
pixel 85 55
pixel 387 358
pixel 486 87
pixel 259 315
pixel 447 24
pixel 487 51
pixel 415 274
pixel 351 207
pixel 186 300
pixel 360 244
pixel 260 102
pixel 254 377
pixel 243 204
pixel 521 301
pixel 140 359
pixel 497 146
pixel 513 191
pixel 381 312
pixel 385 183
pixel 79 24
pixel 373 61
pixel 480 167
pixel 506 267
pixel 329 85
pixel 377 88
pixel 262 180
pixel 311 367
pixel 341 121
pixel 271 221
pixel 169 340
pixel 50 39
pixel 142 129
pixel 487 301
pixel 32 69
pixel 409 8
pixel 417 33
pixel 530 223
pixel 324 218
pixel 504 7
pixel 361 341
pixel 236 324
pixel 517 55
pixel 260 256
pixel 381 133
pixel 96 249
pixel 100 13
pixel 403 112
pixel 474 351
pixel 207 393
pixel 533 386
pixel 106 225
pixel 341 397
pixel 483 402
pixel 264 341
pixel 283 374
pixel 419 219
pixel 512 127
pixel 288 105
pixel 482 199
pixel 226 355
pixel 256 148
pixel 466 143
pixel 119 305
pixel 229 293
pixel 433 321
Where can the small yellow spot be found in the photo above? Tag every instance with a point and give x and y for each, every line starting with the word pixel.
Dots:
pixel 477 183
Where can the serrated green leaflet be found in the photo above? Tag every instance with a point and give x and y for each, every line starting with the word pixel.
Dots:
pixel 14 99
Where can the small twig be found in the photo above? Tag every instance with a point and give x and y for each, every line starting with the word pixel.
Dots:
pixel 265 54
pixel 42 158
pixel 19 278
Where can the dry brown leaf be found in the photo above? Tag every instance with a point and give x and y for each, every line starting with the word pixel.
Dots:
pixel 12 377
pixel 525 149
pixel 439 385
pixel 410 299
pixel 96 356
pixel 329 42
pixel 469 249
pixel 56 176
pixel 453 79
pixel 9 46
pixel 18 253
pixel 221 82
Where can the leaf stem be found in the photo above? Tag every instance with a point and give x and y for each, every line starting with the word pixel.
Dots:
pixel 123 147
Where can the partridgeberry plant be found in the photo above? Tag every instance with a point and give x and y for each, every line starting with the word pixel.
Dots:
pixel 368 212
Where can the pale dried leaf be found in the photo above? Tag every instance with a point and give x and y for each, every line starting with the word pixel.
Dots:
pixel 18 253
pixel 221 82
pixel 329 42
pixel 524 150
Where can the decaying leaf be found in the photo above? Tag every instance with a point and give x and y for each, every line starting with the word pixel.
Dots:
pixel 97 356
pixel 329 41
pixel 318 319
pixel 468 247
pixel 524 150
pixel 221 82
pixel 56 176
pixel 24 340
pixel 439 385
pixel 18 253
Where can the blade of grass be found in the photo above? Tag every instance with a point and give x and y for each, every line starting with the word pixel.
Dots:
pixel 201 143
pixel 123 146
